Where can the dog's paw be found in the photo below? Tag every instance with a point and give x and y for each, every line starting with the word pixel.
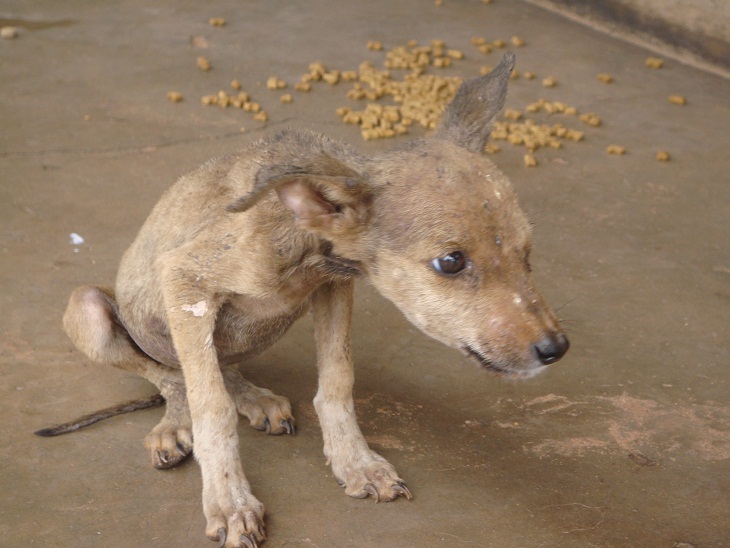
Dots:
pixel 169 443
pixel 265 410
pixel 370 476
pixel 235 521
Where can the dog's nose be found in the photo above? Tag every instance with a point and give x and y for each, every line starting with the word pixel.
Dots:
pixel 551 348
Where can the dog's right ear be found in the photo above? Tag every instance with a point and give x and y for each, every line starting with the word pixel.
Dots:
pixel 325 195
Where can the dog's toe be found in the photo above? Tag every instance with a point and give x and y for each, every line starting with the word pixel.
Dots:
pixel 169 444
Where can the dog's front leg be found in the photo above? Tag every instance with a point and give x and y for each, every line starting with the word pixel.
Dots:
pixel 234 516
pixel 359 469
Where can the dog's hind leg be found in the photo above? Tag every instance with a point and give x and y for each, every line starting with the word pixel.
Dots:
pixel 92 323
pixel 265 410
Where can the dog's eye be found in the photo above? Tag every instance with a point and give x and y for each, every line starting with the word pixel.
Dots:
pixel 450 264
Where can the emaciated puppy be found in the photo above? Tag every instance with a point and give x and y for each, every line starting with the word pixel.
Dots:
pixel 239 249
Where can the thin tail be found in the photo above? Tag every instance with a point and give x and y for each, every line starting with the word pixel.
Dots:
pixel 91 418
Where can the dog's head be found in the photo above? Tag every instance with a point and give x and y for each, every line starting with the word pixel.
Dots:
pixel 438 230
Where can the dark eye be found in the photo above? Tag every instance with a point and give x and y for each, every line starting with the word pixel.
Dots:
pixel 450 264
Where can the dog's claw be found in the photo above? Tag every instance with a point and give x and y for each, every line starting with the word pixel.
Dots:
pixel 267 426
pixel 222 534
pixel 289 426
pixel 370 489
pixel 401 489
pixel 250 541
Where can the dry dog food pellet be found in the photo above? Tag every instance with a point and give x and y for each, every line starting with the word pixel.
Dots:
pixel 514 74
pixel 499 43
pixel 332 77
pixel 662 156
pixel 174 96
pixel 303 86
pixel 574 135
pixel 512 114
pixel 455 54
pixel 485 70
pixel 272 82
pixel 235 84
pixel 530 160
pixel 549 82
pixel 591 119
pixel 616 149
pixel 216 22
pixel 202 63
pixel 517 41
pixel 261 116
pixel 485 48
pixel 677 99
pixel 286 99
pixel 654 62
pixel 8 32
pixel 605 78
pixel 529 75
pixel 375 45
pixel 492 148
pixel 478 41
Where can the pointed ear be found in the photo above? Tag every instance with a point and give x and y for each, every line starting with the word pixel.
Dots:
pixel 467 120
pixel 324 194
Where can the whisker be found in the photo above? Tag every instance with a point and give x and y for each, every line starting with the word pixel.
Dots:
pixel 566 304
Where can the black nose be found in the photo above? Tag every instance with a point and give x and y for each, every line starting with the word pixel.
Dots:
pixel 551 348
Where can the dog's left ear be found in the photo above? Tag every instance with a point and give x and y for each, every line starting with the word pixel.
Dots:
pixel 467 120
pixel 325 195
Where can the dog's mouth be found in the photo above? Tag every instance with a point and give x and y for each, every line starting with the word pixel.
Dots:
pixel 489 365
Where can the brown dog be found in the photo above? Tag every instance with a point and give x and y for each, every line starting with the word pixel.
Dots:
pixel 239 249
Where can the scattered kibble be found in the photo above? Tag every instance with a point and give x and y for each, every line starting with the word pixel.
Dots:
pixel 375 45
pixel 549 82
pixel 332 77
pixel 662 156
pixel 605 78
pixel 499 43
pixel 529 75
pixel 512 114
pixel 590 118
pixel 485 48
pixel 485 70
pixel 235 84
pixel 217 22
pixel 514 74
pixel 530 160
pixel 517 41
pixel 202 63
pixel 303 86
pixel 678 99
pixel 286 99
pixel 273 82
pixel 654 62
pixel 174 96
pixel 8 32
pixel 616 149
pixel 261 116
pixel 478 41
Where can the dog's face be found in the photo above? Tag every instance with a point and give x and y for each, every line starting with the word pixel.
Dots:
pixel 437 228
pixel 451 249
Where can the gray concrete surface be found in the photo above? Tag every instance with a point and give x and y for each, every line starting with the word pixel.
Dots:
pixel 626 442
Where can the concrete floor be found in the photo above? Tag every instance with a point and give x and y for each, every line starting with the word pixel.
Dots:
pixel 626 442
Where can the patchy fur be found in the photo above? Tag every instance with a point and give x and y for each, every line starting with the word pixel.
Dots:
pixel 239 249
